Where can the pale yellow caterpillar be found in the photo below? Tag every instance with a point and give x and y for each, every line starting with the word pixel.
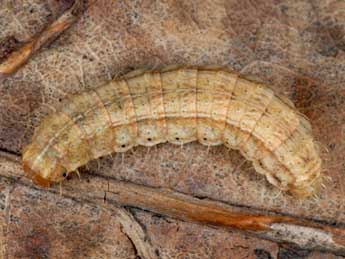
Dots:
pixel 181 105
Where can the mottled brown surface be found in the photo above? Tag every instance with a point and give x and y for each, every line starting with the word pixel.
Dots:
pixel 296 46
pixel 43 228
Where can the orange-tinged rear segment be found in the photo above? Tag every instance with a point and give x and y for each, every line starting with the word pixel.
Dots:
pixel 36 178
pixel 41 164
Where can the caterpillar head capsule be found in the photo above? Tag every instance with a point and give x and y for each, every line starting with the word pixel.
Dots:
pixel 42 166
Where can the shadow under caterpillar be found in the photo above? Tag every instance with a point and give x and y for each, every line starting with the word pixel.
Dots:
pixel 213 106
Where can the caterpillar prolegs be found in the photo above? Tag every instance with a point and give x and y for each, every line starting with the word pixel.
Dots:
pixel 178 106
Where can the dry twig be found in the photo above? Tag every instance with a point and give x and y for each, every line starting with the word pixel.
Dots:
pixel 303 233
pixel 19 57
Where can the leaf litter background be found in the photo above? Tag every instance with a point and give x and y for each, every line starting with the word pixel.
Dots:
pixel 298 47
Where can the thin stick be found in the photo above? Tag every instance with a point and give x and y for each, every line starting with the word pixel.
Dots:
pixel 304 233
pixel 19 57
pixel 299 232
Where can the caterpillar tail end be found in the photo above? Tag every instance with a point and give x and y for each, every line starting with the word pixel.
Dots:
pixel 35 177
pixel 42 166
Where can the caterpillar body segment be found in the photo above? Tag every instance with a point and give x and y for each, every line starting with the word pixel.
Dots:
pixel 181 105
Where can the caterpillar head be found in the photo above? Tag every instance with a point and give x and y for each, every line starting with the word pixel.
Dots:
pixel 42 165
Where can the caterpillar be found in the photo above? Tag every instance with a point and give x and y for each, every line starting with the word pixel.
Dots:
pixel 213 106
